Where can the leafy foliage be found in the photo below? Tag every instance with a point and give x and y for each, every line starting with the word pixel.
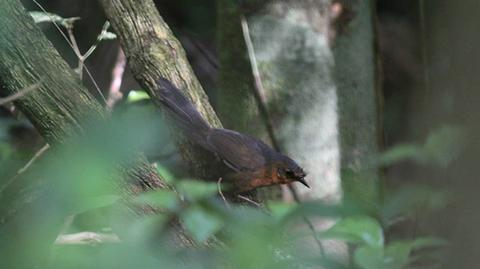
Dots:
pixel 78 179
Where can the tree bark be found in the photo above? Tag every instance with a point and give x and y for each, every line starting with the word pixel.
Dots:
pixel 59 108
pixel 357 79
pixel 235 102
pixel 296 65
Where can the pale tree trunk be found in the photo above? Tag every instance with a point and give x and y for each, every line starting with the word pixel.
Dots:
pixel 296 64
pixel 321 89
pixel 322 86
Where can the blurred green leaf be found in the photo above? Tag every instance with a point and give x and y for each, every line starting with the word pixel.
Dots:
pixel 441 147
pixel 5 151
pixel 201 223
pixel 165 174
pixel 403 201
pixel 400 153
pixel 195 190
pixel 281 209
pixel 90 203
pixel 370 257
pixel 361 229
pixel 445 144
pixel 162 198
pixel 135 96
pixel 394 256
pixel 424 242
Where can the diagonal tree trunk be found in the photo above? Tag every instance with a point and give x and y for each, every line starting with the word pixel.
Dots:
pixel 59 108
pixel 153 52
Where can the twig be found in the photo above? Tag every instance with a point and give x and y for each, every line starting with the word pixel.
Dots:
pixel 261 102
pixel 114 93
pixel 25 167
pixel 92 48
pixel 219 185
pixel 33 159
pixel 258 91
pixel 86 238
pixel 250 201
pixel 307 221
pixel 74 47
pixel 19 94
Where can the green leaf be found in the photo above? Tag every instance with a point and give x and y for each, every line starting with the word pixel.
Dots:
pixel 445 144
pixel 424 242
pixel 6 151
pixel 162 198
pixel 397 255
pixel 394 256
pixel 40 16
pixel 107 36
pixel 135 96
pixel 357 230
pixel 94 203
pixel 194 190
pixel 281 209
pixel 400 153
pixel 403 201
pixel 370 257
pixel 201 223
pixel 165 174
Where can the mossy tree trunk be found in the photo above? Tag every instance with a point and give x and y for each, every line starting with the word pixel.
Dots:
pixel 359 96
pixel 153 52
pixel 59 109
pixel 236 103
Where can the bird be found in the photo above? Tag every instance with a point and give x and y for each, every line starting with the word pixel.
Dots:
pixel 251 162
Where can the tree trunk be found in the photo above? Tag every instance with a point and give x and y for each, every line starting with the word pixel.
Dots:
pixel 153 52
pixel 236 102
pixel 59 108
pixel 357 80
pixel 292 49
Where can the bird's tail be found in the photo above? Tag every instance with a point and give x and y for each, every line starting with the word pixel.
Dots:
pixel 184 113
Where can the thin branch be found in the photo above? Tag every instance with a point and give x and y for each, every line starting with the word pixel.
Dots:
pixel 19 94
pixel 33 159
pixel 74 47
pixel 219 185
pixel 114 93
pixel 86 238
pixel 105 27
pixel 73 41
pixel 250 201
pixel 259 91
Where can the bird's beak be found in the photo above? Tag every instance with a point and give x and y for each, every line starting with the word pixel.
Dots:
pixel 302 180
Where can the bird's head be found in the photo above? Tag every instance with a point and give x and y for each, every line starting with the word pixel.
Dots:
pixel 289 171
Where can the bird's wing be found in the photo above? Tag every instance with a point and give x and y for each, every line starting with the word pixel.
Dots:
pixel 238 151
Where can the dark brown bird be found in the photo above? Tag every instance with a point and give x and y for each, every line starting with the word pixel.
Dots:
pixel 253 163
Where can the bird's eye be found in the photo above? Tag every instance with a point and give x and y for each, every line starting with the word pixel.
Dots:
pixel 289 173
